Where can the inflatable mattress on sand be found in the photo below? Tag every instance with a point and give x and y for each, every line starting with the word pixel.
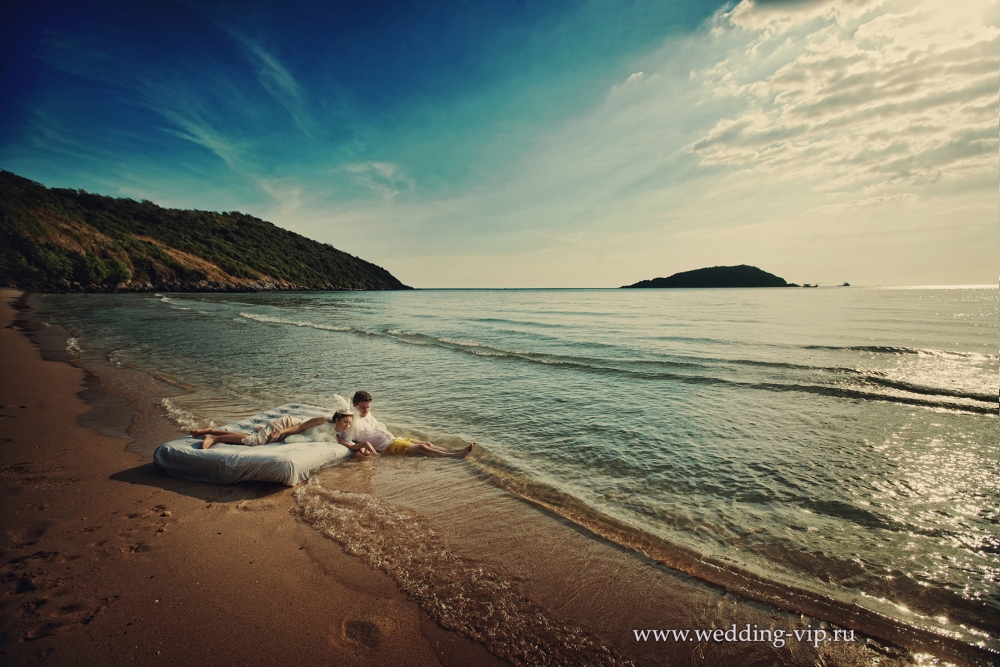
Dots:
pixel 287 463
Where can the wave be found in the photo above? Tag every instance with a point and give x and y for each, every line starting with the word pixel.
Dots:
pixel 459 341
pixel 297 323
pixel 73 346
pixel 526 323
pixel 890 349
pixel 546 358
pixel 186 420
pixel 931 391
pixel 932 398
pixel 546 325
pixel 876 618
pixel 658 370
pixel 172 303
pixel 863 385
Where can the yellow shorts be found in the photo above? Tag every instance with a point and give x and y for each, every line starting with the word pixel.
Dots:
pixel 398 446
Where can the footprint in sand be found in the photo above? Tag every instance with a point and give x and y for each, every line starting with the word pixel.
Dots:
pixel 365 633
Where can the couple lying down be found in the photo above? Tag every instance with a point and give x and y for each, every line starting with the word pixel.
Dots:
pixel 359 432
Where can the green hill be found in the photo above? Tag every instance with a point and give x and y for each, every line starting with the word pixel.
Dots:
pixel 718 276
pixel 69 240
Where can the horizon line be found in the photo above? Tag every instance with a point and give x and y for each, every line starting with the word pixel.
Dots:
pixel 949 286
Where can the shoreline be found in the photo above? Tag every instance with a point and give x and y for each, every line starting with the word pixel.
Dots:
pixel 382 637
pixel 190 288
pixel 108 561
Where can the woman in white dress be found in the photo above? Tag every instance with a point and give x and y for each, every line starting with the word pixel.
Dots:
pixel 290 430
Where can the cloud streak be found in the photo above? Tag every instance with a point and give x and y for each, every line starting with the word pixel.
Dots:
pixel 277 80
pixel 882 95
pixel 384 179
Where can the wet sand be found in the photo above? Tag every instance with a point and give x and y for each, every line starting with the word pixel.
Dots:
pixel 396 561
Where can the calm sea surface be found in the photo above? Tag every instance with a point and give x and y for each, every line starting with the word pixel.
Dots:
pixel 842 441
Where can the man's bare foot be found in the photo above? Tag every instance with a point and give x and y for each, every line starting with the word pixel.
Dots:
pixel 197 432
pixel 468 450
pixel 208 441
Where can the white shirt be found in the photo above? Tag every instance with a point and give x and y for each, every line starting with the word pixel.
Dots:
pixel 369 429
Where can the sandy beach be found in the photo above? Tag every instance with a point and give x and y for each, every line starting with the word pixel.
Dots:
pixel 106 560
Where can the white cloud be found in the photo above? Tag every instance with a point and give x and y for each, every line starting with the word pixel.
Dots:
pixel 879 95
pixel 906 198
pixel 385 179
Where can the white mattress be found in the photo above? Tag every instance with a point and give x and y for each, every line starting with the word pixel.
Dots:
pixel 287 463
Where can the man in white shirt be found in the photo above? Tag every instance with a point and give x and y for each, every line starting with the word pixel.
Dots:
pixel 365 429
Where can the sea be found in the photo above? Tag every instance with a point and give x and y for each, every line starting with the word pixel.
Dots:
pixel 833 450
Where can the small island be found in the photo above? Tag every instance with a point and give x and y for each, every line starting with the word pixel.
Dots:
pixel 718 276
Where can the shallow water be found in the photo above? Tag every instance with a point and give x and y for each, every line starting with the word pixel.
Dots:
pixel 837 442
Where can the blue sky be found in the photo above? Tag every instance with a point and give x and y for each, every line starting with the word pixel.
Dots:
pixel 531 144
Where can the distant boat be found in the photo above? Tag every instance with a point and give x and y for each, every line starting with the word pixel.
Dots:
pixel 846 285
pixel 810 284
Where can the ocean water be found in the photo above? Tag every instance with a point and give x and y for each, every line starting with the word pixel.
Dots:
pixel 833 444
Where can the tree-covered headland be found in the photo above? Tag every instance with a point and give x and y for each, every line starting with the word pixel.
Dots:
pixel 70 240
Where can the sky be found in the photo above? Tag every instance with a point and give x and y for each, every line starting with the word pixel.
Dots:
pixel 537 144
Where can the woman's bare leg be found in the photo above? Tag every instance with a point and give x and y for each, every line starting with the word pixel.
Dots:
pixel 198 432
pixel 225 437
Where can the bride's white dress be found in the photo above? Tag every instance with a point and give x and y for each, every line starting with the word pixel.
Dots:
pixel 324 432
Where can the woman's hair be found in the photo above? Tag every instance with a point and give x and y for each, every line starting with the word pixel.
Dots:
pixel 340 414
